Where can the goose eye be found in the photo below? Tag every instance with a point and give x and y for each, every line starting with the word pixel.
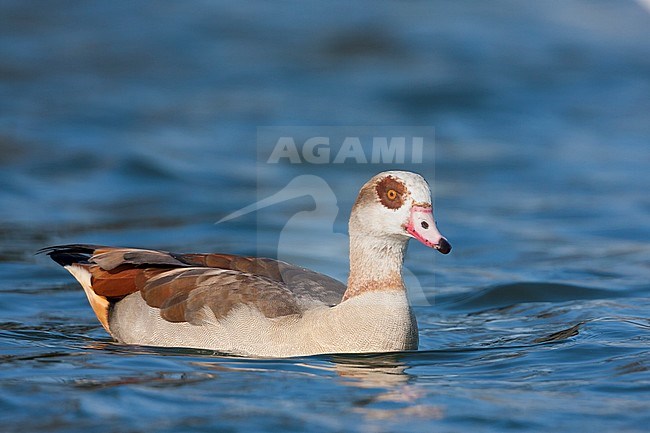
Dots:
pixel 390 192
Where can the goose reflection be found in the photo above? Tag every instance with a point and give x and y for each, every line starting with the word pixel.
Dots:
pixel 389 393
pixel 372 371
pixel 395 396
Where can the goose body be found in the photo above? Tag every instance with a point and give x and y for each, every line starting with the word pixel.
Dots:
pixel 263 307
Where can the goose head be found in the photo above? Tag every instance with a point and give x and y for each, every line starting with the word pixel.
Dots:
pixel 397 205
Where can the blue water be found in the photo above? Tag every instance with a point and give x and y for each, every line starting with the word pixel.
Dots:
pixel 138 124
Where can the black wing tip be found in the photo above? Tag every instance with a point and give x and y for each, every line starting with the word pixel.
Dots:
pixel 69 254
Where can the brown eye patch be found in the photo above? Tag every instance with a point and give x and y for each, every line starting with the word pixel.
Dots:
pixel 391 192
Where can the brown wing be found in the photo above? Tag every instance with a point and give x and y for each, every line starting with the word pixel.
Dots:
pixel 308 286
pixel 182 285
pixel 182 294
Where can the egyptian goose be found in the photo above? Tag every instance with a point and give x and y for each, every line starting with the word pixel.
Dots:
pixel 263 307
